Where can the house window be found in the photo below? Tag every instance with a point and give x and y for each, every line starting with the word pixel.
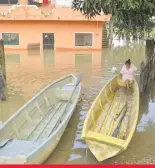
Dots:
pixel 10 38
pixel 83 39
pixel 8 1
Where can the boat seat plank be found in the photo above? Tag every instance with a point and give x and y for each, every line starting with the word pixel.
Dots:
pixel 105 139
pixel 37 117
pixel 18 147
pixel 28 118
pixel 39 109
pixel 112 103
pixel 100 121
pixel 16 129
pixel 33 107
pixel 46 99
pixel 40 126
pixel 54 122
pixel 28 126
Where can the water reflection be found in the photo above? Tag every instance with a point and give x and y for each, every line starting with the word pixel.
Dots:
pixel 83 63
pixel 15 99
pixel 49 58
pixel 12 59
pixel 147 115
pixel 35 52
pixel 28 72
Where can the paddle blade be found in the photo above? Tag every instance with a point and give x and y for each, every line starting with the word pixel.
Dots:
pixel 116 131
pixel 79 79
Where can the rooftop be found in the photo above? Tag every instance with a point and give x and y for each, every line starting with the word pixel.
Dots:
pixel 31 12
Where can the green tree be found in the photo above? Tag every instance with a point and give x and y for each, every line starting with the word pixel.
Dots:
pixel 132 14
pixel 120 29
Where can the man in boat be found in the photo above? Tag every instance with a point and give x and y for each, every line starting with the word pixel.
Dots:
pixel 127 72
pixel 2 86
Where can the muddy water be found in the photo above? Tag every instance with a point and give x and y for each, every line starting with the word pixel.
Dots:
pixel 29 71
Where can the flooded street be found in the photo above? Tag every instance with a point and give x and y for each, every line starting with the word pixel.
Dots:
pixel 29 71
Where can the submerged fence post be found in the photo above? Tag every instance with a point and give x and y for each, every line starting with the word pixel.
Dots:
pixel 142 77
pixel 153 75
pixel 2 58
pixel 147 69
pixel 149 48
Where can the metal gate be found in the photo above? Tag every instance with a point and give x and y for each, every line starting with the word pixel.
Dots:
pixel 48 41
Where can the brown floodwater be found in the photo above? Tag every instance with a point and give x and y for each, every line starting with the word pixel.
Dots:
pixel 29 71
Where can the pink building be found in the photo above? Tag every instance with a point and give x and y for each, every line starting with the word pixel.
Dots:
pixel 61 28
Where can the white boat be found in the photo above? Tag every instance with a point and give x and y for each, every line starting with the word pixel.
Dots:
pixel 33 132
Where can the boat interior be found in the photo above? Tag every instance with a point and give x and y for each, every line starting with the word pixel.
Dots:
pixel 112 116
pixel 38 119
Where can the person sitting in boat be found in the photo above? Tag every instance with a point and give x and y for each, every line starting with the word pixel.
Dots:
pixel 127 72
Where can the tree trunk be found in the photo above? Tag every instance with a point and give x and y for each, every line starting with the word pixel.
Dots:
pixel 150 44
pixel 111 30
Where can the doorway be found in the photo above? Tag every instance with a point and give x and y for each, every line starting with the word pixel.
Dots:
pixel 48 41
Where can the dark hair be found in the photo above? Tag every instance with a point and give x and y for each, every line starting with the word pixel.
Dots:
pixel 128 62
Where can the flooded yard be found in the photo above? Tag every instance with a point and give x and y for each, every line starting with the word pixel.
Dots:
pixel 29 71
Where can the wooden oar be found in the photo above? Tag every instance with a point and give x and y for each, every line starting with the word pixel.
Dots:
pixel 115 120
pixel 77 83
pixel 116 131
pixel 124 99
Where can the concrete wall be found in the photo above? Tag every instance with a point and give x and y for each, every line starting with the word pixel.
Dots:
pixel 64 31
pixel 23 2
pixel 20 12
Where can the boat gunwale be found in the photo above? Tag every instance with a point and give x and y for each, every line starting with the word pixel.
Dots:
pixel 27 157
pixel 32 99
pixel 92 106
pixel 62 123
pixel 94 137
pixel 133 129
pixel 128 139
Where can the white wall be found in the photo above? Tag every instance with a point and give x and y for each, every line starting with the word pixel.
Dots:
pixel 64 2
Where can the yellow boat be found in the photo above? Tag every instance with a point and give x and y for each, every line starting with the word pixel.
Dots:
pixel 112 119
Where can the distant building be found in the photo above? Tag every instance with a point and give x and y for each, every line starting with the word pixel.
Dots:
pixel 24 25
